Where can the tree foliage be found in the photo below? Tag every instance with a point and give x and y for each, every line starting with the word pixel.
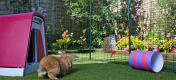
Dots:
pixel 104 19
pixel 168 15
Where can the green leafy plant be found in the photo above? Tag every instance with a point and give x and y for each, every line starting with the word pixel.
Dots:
pixel 168 15
pixel 104 19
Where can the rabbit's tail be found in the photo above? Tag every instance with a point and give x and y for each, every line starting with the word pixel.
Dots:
pixel 42 72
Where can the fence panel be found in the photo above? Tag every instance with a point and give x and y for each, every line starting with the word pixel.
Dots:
pixel 98 30
pixel 153 28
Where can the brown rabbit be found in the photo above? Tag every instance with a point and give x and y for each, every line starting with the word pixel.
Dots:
pixel 54 66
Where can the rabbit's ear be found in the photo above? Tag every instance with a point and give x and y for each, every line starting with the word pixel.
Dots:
pixel 71 57
pixel 62 53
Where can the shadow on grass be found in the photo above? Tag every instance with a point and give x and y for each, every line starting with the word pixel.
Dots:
pixel 122 63
pixel 168 66
pixel 71 71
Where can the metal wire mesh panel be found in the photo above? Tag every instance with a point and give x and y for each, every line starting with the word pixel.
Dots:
pixel 153 29
pixel 106 30
pixel 98 31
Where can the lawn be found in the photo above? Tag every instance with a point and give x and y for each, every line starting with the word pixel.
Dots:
pixel 97 57
pixel 104 71
pixel 99 68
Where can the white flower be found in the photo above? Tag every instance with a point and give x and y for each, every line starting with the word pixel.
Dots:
pixel 84 39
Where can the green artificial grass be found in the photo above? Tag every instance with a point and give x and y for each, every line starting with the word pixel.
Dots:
pixel 99 68
pixel 105 71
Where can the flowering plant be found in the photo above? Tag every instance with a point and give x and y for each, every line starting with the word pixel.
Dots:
pixel 83 42
pixel 66 40
pixel 136 43
pixel 155 44
pixel 85 46
pixel 168 43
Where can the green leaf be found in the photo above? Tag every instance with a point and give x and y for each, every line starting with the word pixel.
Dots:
pixel 84 30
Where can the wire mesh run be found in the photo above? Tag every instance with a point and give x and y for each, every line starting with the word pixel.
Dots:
pixel 85 27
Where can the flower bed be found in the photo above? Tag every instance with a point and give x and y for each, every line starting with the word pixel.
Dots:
pixel 67 41
pixel 163 44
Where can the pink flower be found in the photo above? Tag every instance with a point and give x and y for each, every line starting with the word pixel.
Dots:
pixel 127 48
pixel 174 50
pixel 84 46
pixel 146 43
pixel 155 48
pixel 71 35
pixel 168 35
pixel 163 33
pixel 64 34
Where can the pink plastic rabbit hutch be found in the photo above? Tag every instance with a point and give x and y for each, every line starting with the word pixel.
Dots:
pixel 22 43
